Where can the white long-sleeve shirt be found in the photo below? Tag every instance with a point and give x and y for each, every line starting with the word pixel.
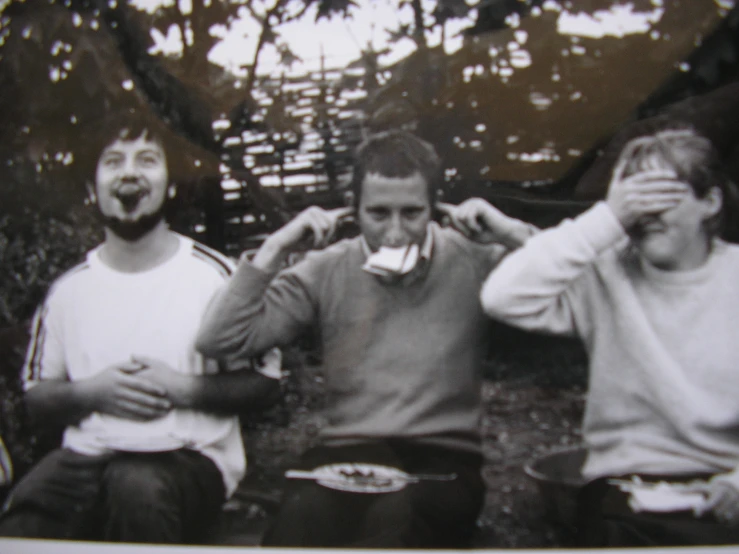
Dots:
pixel 663 350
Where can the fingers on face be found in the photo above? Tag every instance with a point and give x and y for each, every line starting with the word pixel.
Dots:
pixel 341 216
pixel 458 222
pixel 618 170
pixel 342 213
pixel 323 223
pixel 647 200
pixel 654 196
pixel 647 195
pixel 445 208
pixel 627 153
pixel 463 218
pixel 655 182
pixel 648 173
pixel 317 229
pixel 472 219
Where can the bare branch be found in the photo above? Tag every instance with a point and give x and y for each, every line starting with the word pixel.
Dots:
pixel 299 14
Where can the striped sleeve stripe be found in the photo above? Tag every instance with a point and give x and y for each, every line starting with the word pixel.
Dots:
pixel 208 260
pixel 32 370
pixel 74 270
pixel 223 264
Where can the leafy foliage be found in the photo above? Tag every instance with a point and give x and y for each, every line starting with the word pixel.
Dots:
pixel 329 8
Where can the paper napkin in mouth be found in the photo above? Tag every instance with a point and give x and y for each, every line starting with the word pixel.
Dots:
pixel 389 261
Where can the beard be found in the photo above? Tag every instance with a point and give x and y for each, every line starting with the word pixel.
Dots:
pixel 131 231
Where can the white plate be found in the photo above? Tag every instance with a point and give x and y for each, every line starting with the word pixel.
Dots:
pixel 356 477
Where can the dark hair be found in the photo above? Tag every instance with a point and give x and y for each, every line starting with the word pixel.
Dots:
pixel 127 124
pixel 396 154
pixel 693 158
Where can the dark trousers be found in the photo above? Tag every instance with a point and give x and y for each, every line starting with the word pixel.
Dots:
pixel 162 497
pixel 606 520
pixel 426 514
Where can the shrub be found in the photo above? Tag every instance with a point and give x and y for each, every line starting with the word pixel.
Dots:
pixel 36 247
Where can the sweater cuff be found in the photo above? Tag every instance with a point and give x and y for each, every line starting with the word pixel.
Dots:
pixel 517 233
pixel 600 228
pixel 248 280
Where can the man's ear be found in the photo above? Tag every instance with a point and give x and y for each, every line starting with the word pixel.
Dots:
pixel 713 201
pixel 91 196
pixel 171 191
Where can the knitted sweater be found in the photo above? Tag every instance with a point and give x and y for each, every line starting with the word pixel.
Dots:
pixel 662 346
pixel 398 360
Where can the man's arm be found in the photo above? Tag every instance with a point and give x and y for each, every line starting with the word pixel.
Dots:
pixel 482 222
pixel 234 392
pixel 256 311
pixel 59 402
pixel 226 392
pixel 314 225
pixel 52 397
pixel 118 390
pixel 527 288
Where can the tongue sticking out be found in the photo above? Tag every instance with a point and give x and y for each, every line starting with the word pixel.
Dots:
pixel 129 197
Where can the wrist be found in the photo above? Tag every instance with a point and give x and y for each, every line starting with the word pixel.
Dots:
pixel 600 227
pixel 183 395
pixel 85 396
pixel 513 232
pixel 271 254
pixel 621 216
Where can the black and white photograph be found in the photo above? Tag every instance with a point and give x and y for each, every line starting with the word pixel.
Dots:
pixel 369 274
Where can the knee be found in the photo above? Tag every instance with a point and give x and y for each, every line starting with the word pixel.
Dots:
pixel 134 480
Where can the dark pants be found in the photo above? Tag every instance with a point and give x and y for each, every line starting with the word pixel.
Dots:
pixel 606 520
pixel 162 497
pixel 426 514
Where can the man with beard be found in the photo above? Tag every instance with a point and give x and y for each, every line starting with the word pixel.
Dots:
pixel 151 449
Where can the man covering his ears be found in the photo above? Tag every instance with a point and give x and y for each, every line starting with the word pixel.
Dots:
pixel 402 337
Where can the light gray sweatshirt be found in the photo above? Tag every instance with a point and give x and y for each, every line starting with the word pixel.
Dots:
pixel 664 356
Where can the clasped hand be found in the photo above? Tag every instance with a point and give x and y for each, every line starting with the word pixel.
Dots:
pixel 142 389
